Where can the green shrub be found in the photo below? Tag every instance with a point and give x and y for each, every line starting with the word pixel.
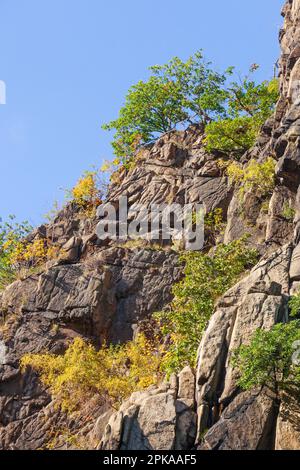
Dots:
pixel 268 359
pixel 249 105
pixel 112 372
pixel 231 136
pixel 207 277
pixel 11 235
pixel 214 220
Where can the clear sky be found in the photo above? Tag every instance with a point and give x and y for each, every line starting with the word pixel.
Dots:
pixel 67 65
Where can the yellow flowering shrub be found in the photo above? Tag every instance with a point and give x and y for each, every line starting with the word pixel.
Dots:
pixel 34 253
pixel 255 177
pixel 11 234
pixel 113 372
pixel 86 192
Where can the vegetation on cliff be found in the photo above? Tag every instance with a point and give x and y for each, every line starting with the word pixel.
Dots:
pixel 12 235
pixel 249 105
pixel 180 93
pixel 19 255
pixel 112 372
pixel 271 359
pixel 255 177
pixel 89 192
pixel 231 113
pixel 206 278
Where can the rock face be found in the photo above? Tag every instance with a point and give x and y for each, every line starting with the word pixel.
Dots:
pixel 103 291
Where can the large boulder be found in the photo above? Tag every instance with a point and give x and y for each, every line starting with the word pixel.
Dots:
pixel 161 418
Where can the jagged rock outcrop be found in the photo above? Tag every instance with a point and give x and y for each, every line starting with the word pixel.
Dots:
pixel 102 298
pixel 227 418
pixel 176 169
pixel 252 420
pixel 102 291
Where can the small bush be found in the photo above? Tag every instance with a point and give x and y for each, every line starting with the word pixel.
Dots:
pixel 268 359
pixel 231 136
pixel 113 372
pixel 18 255
pixel 34 253
pixel 180 93
pixel 11 235
pixel 248 106
pixel 207 277
pixel 256 177
pixel 214 222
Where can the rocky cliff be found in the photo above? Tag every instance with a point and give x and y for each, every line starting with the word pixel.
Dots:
pixel 103 291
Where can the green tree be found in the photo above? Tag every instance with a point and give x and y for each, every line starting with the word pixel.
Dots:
pixel 271 359
pixel 203 89
pixel 176 93
pixel 151 108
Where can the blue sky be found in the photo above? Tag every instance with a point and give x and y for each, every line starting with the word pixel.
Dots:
pixel 67 65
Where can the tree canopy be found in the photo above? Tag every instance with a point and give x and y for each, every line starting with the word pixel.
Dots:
pixel 179 93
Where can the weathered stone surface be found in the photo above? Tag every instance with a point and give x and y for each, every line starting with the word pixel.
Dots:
pixel 160 418
pixel 71 249
pixel 175 169
pixel 103 297
pixel 280 228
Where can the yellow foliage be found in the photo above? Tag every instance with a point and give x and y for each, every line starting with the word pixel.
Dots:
pixel 113 372
pixel 255 177
pixel 86 192
pixel 64 439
